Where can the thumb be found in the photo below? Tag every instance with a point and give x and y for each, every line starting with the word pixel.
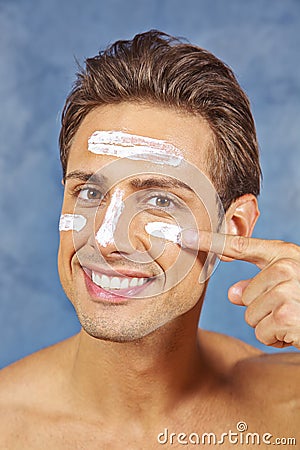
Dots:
pixel 236 291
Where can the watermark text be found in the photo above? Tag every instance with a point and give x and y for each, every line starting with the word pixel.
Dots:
pixel 241 435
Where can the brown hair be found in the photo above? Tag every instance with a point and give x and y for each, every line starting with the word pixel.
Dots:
pixel 157 68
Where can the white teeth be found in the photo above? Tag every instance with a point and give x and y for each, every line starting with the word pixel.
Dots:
pixel 133 282
pixel 107 282
pixel 96 278
pixel 103 281
pixel 115 283
pixel 125 283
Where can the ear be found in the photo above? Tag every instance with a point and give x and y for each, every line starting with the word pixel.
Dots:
pixel 63 181
pixel 241 217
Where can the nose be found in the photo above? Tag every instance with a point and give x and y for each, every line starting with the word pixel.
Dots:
pixel 105 234
pixel 121 232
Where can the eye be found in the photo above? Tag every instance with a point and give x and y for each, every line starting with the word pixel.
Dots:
pixel 90 194
pixel 160 201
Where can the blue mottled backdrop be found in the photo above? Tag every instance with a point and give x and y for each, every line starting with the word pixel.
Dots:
pixel 39 39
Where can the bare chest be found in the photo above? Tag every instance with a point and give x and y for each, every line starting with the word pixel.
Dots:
pixel 224 422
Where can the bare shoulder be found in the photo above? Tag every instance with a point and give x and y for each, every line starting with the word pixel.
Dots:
pixel 29 384
pixel 265 388
pixel 270 383
pixel 35 369
pixel 225 351
pixel 278 372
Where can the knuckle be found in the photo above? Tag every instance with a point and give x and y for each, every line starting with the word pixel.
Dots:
pixel 291 249
pixel 283 314
pixel 240 244
pixel 286 267
pixel 280 290
pixel 285 291
pixel 287 337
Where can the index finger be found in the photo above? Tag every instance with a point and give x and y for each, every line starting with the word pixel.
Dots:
pixel 258 251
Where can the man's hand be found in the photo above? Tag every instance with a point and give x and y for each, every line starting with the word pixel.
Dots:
pixel 272 297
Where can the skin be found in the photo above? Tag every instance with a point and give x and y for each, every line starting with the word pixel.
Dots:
pixel 139 376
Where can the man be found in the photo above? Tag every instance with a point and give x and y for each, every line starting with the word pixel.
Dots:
pixel 161 174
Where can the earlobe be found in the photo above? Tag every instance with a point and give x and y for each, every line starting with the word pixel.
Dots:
pixel 241 217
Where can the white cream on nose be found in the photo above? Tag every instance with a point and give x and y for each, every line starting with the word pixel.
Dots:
pixel 105 234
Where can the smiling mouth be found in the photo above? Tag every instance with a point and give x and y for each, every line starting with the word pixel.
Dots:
pixel 113 283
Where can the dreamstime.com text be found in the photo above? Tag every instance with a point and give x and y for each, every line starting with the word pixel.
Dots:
pixel 241 436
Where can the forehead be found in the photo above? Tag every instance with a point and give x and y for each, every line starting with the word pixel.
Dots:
pixel 190 134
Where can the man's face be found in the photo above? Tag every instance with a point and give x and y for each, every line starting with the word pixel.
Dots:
pixel 123 282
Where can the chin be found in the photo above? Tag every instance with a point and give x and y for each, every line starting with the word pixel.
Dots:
pixel 116 335
pixel 117 329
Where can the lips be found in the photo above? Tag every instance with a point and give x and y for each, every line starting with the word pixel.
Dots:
pixel 109 286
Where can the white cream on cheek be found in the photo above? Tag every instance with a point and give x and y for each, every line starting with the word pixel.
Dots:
pixel 105 234
pixel 163 230
pixel 71 222
pixel 125 145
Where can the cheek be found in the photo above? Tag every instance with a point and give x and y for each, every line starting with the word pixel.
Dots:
pixel 182 268
pixel 186 293
pixel 177 263
pixel 164 252
pixel 66 252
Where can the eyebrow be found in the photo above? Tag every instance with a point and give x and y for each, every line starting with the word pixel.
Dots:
pixel 137 183
pixel 86 176
pixel 159 182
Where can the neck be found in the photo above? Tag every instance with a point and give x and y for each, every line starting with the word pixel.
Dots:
pixel 145 377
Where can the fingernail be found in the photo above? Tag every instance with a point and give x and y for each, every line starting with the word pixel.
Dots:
pixel 190 238
pixel 236 290
pixel 235 293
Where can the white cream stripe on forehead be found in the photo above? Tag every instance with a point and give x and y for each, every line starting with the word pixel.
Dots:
pixel 125 145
